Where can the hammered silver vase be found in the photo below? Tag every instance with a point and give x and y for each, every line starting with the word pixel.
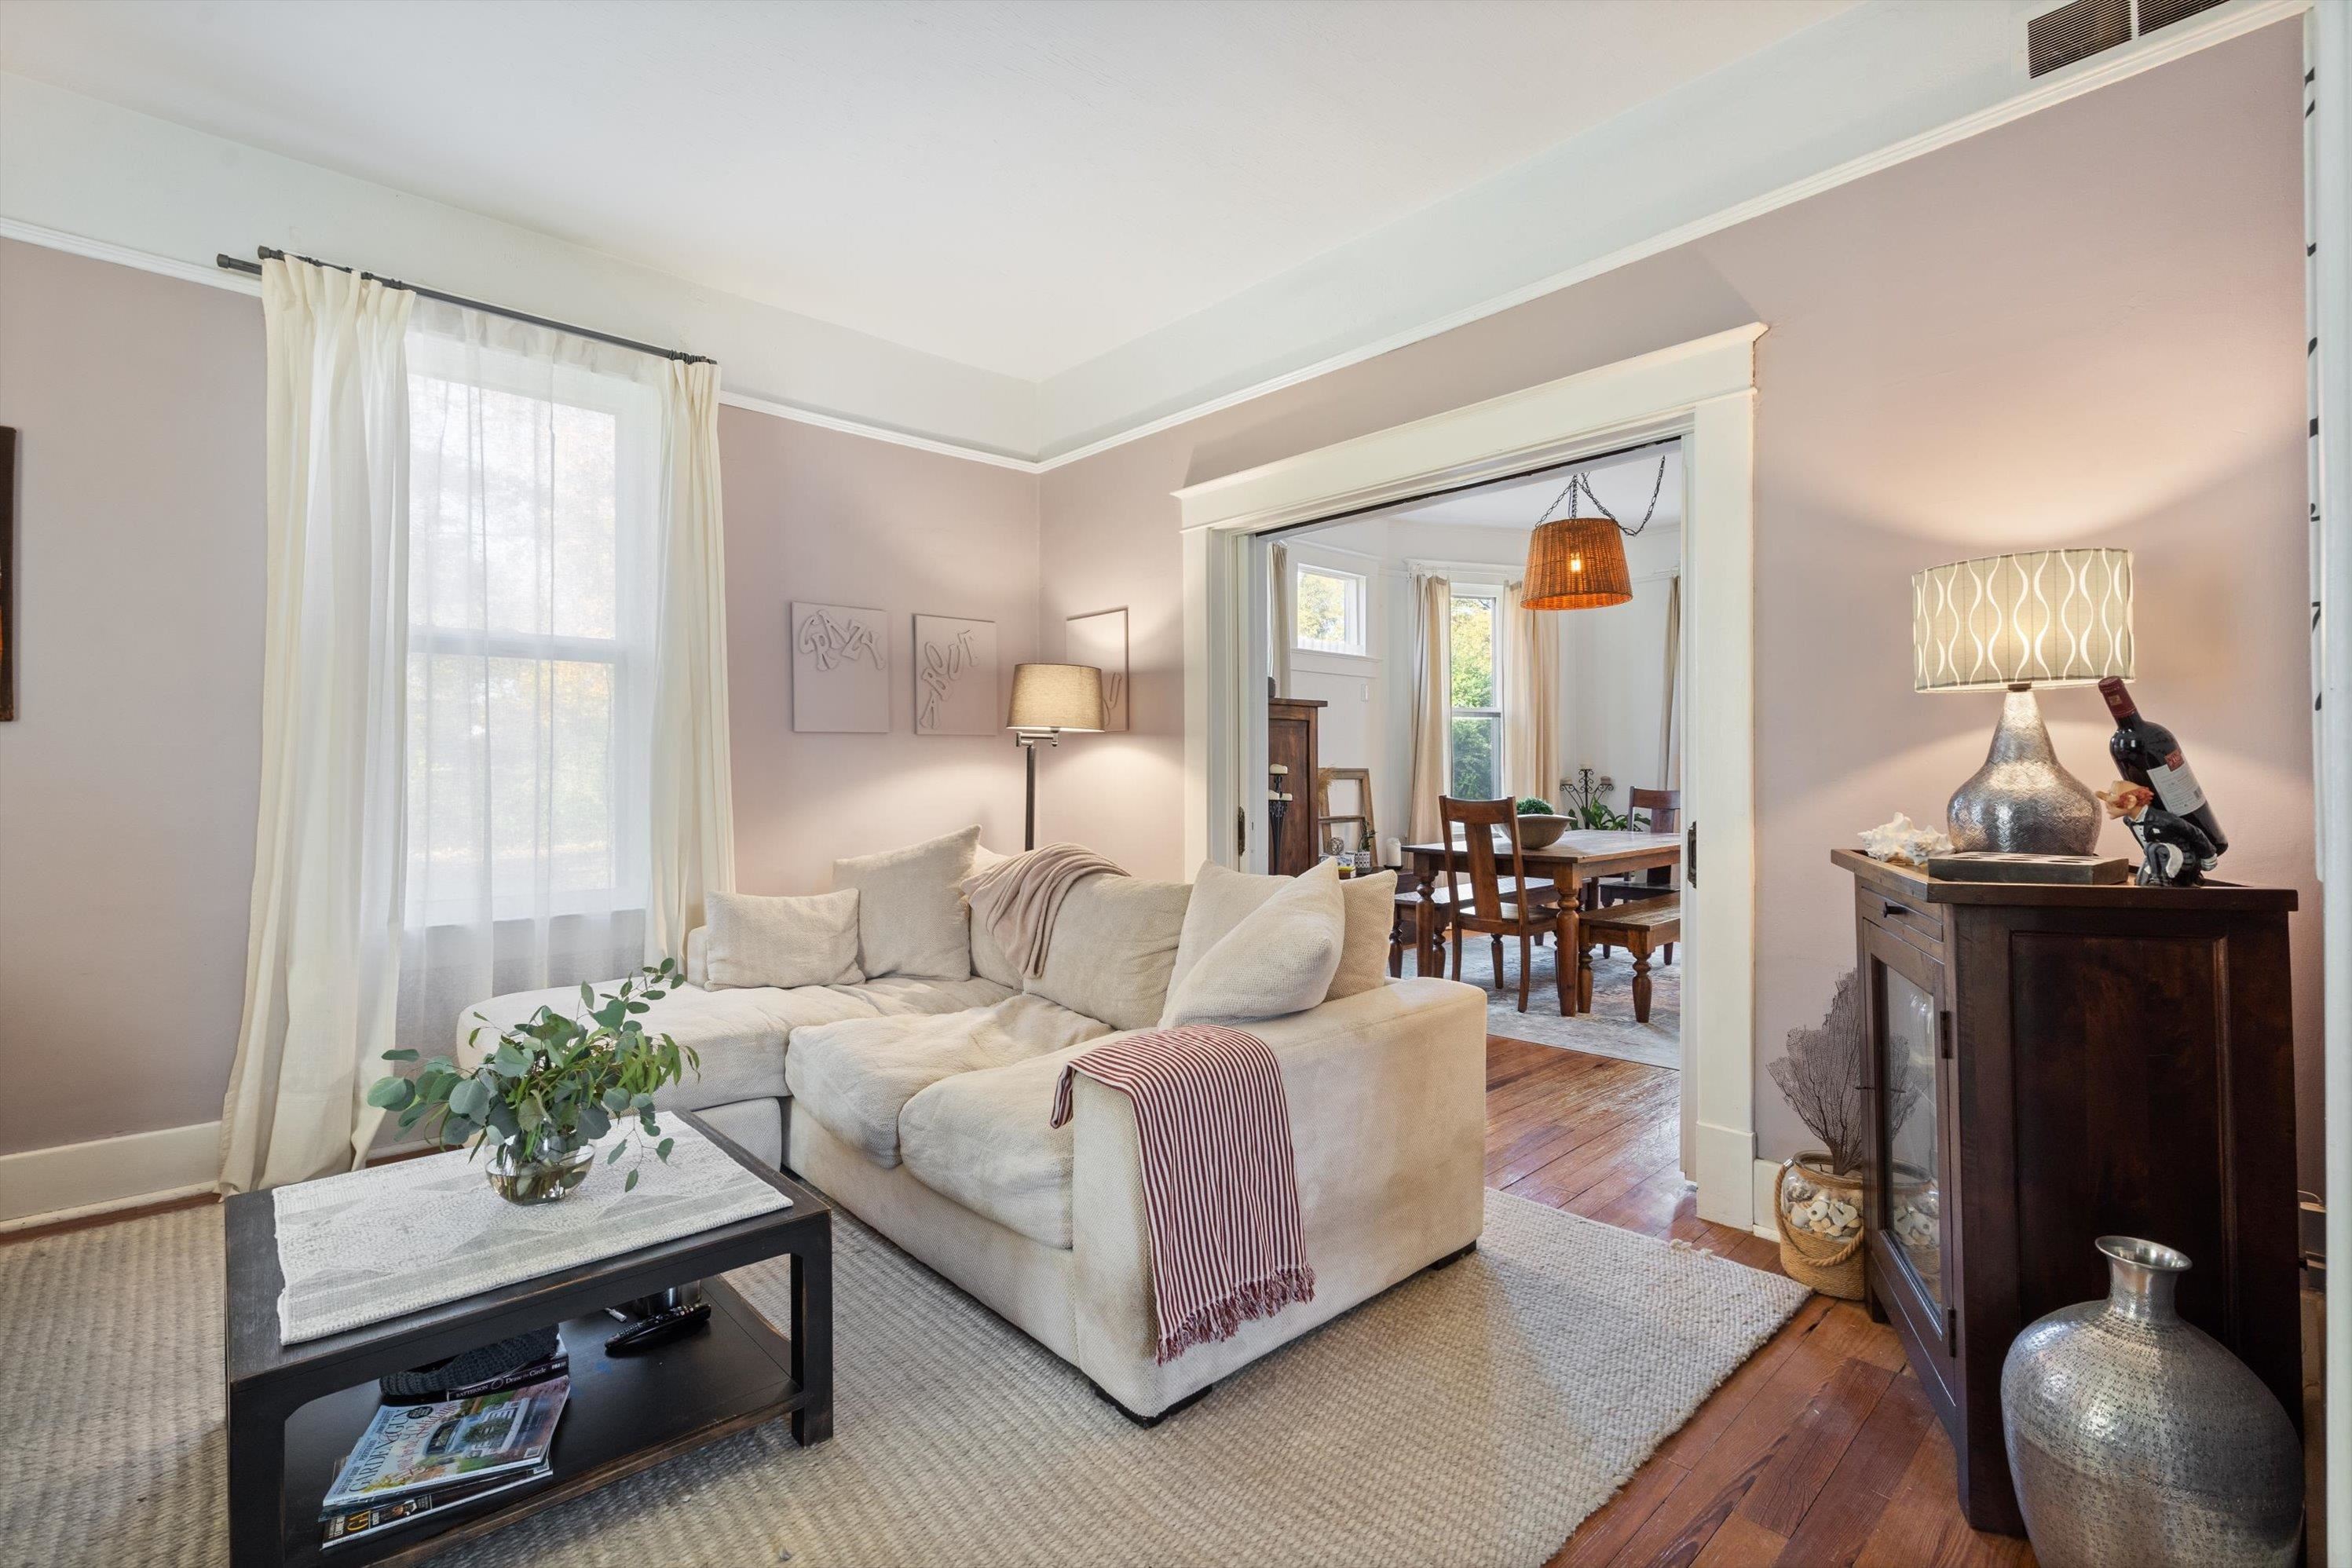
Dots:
pixel 2138 1441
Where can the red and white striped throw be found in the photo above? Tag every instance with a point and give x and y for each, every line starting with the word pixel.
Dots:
pixel 1220 1187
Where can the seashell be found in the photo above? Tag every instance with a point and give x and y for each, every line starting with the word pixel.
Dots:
pixel 1902 842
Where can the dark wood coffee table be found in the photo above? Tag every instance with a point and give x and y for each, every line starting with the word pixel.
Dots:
pixel 294 1411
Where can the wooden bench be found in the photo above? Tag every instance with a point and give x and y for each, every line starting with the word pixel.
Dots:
pixel 1640 928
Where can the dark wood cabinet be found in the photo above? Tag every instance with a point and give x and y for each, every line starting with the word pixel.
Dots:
pixel 1293 741
pixel 2047 1064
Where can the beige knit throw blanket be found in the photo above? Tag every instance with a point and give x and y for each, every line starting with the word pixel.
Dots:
pixel 1019 898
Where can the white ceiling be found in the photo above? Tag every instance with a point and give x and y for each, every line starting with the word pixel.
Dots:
pixel 1020 185
pixel 1623 484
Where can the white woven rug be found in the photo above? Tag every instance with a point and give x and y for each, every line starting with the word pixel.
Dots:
pixel 1468 1418
pixel 373 1244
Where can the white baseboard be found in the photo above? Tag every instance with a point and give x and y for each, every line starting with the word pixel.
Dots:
pixel 1768 1176
pixel 1725 1189
pixel 40 1187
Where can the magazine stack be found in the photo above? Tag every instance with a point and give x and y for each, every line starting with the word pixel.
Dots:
pixel 416 1460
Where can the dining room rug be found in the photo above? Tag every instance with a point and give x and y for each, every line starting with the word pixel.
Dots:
pixel 1470 1416
pixel 1609 1029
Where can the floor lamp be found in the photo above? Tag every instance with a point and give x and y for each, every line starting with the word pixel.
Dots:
pixel 1048 699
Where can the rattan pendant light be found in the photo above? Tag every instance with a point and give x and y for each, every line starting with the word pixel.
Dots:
pixel 1578 563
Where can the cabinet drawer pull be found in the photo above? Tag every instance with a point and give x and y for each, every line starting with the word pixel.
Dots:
pixel 1893 909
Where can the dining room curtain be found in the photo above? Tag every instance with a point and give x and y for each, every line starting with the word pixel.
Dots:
pixel 322 946
pixel 1433 709
pixel 1282 618
pixel 1670 734
pixel 568 763
pixel 1530 697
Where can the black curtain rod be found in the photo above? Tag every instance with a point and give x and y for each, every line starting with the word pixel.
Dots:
pixel 238 264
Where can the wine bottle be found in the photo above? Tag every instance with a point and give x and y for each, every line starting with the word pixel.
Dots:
pixel 2145 753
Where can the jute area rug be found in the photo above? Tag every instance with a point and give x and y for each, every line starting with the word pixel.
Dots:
pixel 1471 1417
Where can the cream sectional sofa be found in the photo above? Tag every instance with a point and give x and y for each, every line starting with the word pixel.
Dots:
pixel 921 1104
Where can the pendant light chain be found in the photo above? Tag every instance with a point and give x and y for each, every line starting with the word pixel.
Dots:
pixel 1580 481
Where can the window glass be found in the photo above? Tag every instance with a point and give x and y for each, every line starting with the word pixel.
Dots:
pixel 1475 741
pixel 1330 610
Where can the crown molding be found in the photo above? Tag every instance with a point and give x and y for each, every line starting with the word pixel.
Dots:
pixel 66 188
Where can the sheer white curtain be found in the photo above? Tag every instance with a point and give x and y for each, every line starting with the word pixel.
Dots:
pixel 323 944
pixel 566 677
pixel 1530 698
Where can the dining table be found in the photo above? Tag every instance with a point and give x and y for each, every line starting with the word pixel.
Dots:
pixel 1568 862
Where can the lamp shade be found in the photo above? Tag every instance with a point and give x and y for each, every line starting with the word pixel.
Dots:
pixel 2044 618
pixel 1576 563
pixel 1055 696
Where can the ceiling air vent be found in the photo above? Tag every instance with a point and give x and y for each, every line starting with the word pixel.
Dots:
pixel 2073 32
pixel 2155 13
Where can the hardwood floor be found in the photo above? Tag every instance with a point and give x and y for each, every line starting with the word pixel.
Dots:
pixel 1821 1451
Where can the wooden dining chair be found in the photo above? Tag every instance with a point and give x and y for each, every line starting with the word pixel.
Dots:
pixel 1493 904
pixel 1665 816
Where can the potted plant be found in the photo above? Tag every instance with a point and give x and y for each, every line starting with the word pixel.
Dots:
pixel 1588 803
pixel 1818 1199
pixel 551 1089
pixel 1538 825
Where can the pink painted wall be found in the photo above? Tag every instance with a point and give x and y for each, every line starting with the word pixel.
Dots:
pixel 819 517
pixel 2084 328
pixel 129 784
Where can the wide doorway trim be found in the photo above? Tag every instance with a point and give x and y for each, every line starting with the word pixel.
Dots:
pixel 1703 392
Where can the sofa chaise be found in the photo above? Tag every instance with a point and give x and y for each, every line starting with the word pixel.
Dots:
pixel 921 1100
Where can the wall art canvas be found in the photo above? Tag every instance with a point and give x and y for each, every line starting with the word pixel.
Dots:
pixel 841 671
pixel 1100 640
pixel 955 676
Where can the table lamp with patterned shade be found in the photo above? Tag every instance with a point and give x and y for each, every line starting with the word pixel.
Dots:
pixel 1048 699
pixel 2009 623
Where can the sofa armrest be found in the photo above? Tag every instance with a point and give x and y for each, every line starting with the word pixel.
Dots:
pixel 1387 1097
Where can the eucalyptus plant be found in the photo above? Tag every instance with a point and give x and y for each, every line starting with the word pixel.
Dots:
pixel 554 1085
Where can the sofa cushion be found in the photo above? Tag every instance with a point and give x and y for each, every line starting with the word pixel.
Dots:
pixel 855 1077
pixel 982 1139
pixel 1222 898
pixel 1113 945
pixel 759 941
pixel 911 915
pixel 741 1034
pixel 988 956
pixel 1279 959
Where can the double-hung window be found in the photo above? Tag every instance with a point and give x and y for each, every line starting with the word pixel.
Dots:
pixel 1476 739
pixel 534 518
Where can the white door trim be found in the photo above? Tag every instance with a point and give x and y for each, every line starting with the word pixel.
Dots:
pixel 1703 392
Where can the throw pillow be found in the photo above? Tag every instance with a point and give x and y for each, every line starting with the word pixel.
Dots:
pixel 988 959
pixel 759 941
pixel 1113 944
pixel 1370 903
pixel 1222 898
pixel 911 915
pixel 1278 960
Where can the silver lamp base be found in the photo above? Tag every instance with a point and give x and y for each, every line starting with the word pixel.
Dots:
pixel 2021 801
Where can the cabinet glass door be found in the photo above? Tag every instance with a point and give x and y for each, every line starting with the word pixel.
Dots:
pixel 1908 1118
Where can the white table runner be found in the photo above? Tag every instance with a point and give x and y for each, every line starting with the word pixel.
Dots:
pixel 374 1244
